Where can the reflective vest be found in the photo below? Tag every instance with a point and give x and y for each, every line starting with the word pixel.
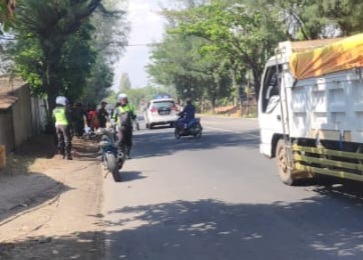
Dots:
pixel 121 111
pixel 125 109
pixel 60 116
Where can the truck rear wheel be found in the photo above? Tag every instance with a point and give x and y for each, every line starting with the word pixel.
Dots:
pixel 285 174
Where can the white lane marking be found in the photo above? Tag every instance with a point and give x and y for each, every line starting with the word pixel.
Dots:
pixel 232 131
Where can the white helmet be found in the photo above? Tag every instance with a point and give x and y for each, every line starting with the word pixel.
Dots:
pixel 63 101
pixel 122 96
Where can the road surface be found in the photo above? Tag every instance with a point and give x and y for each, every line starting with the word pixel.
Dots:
pixel 217 198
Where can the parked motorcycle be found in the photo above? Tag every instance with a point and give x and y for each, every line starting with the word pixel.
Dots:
pixel 112 157
pixel 89 134
pixel 193 128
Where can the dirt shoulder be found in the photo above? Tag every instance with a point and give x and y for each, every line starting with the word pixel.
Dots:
pixel 53 211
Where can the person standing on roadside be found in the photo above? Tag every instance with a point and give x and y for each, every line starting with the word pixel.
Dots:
pixel 103 115
pixel 93 118
pixel 62 120
pixel 124 116
pixel 79 119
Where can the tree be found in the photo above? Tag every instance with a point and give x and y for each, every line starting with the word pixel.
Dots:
pixel 51 23
pixel 233 32
pixel 125 83
pixel 177 61
pixel 311 19
pixel 112 29
pixel 98 83
pixel 64 38
pixel 76 60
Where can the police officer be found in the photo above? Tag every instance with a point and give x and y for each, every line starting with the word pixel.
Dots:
pixel 124 116
pixel 62 120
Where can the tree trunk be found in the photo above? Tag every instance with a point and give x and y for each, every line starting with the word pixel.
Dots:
pixel 213 103
pixel 235 87
pixel 257 81
pixel 52 55
pixel 202 105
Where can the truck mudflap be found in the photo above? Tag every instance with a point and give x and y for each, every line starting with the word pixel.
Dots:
pixel 345 165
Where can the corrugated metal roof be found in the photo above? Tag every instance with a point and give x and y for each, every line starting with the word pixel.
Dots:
pixel 6 101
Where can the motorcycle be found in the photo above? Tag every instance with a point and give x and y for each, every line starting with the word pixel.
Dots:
pixel 193 128
pixel 112 157
pixel 89 134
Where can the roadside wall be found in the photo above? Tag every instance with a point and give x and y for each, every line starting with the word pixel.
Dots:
pixel 6 129
pixel 24 118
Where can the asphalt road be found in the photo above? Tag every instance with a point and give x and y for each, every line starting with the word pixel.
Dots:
pixel 218 198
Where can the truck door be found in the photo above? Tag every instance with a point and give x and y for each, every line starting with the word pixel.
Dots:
pixel 270 116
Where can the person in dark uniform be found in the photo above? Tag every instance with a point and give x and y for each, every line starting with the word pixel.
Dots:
pixel 103 115
pixel 187 115
pixel 124 116
pixel 78 117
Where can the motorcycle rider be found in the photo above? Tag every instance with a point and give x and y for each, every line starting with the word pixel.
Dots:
pixel 124 116
pixel 188 114
pixel 62 120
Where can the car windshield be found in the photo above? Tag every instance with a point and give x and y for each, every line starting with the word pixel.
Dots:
pixel 163 104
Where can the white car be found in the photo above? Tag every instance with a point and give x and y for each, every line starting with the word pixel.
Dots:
pixel 161 112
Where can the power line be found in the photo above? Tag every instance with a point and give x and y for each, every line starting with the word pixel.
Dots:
pixel 141 44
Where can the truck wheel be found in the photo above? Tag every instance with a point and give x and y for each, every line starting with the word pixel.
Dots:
pixel 285 174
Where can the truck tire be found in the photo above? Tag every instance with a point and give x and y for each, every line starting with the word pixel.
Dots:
pixel 285 174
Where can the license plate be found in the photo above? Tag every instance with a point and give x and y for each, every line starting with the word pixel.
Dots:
pixel 163 113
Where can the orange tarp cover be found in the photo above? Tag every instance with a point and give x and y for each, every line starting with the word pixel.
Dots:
pixel 342 55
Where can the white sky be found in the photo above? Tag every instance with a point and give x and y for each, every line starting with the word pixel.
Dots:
pixel 147 26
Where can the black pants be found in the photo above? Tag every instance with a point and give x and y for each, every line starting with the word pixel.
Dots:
pixel 125 135
pixel 79 127
pixel 64 140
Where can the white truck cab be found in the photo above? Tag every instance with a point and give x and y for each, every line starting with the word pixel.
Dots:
pixel 311 109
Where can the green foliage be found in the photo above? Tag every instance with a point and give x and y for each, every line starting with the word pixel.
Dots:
pixel 98 83
pixel 178 62
pixel 244 38
pixel 239 36
pixel 311 19
pixel 61 48
pixel 29 64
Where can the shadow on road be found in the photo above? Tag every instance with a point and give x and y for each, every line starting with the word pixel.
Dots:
pixel 210 229
pixel 83 245
pixel 21 195
pixel 22 189
pixel 156 143
pixel 131 176
pixel 315 228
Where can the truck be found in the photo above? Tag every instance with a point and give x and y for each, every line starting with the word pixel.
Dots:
pixel 311 109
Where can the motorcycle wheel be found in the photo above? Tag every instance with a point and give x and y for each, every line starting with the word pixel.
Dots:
pixel 113 167
pixel 176 134
pixel 200 132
